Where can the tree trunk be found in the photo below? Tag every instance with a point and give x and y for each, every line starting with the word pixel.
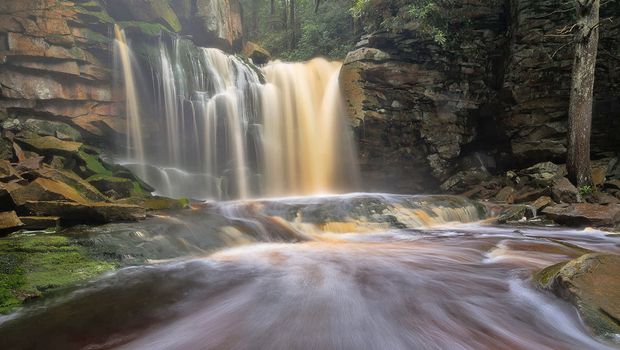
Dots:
pixel 582 91
pixel 293 26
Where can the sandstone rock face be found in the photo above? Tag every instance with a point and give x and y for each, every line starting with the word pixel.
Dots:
pixel 9 221
pixel 498 89
pixel 592 284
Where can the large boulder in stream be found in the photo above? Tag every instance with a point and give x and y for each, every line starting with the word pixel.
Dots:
pixel 592 283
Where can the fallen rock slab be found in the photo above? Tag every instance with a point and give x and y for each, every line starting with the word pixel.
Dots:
pixel 584 214
pixel 43 189
pixel 86 213
pixel 592 283
pixel 40 222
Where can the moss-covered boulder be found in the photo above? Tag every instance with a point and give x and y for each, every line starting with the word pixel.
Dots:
pixel 121 186
pixel 59 130
pixel 33 265
pixel 592 283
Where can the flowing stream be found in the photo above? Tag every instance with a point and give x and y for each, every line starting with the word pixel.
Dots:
pixel 356 271
pixel 361 271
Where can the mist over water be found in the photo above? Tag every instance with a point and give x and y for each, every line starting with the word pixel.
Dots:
pixel 225 129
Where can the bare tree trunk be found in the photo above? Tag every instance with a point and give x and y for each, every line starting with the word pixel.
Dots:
pixel 293 26
pixel 582 91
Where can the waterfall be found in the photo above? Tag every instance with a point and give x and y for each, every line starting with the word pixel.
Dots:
pixel 219 128
pixel 125 59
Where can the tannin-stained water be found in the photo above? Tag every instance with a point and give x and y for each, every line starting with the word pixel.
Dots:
pixel 353 272
pixel 213 126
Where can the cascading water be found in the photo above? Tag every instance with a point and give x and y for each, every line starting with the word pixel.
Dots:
pixel 219 130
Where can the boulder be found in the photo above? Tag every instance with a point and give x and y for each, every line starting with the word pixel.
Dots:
pixel 121 186
pixel 516 213
pixel 506 195
pixel 613 184
pixel 9 222
pixel 75 213
pixel 150 11
pixel 50 145
pixel 71 179
pixel 463 180
pixel 584 214
pixel 563 191
pixel 592 283
pixel 6 149
pixel 529 194
pixel 544 173
pixel 257 53
pixel 40 222
pixel 59 130
pixel 43 189
pixel 7 172
pixel 543 202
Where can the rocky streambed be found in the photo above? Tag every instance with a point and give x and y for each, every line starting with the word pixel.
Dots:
pixel 362 270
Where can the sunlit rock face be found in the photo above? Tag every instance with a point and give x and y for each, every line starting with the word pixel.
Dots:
pixel 55 63
pixel 495 96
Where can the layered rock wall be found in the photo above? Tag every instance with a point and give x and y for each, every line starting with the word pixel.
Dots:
pixel 415 104
pixel 496 96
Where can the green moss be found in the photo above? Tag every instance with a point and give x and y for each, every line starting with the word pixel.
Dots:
pixel 32 266
pixel 160 203
pixel 544 276
pixel 148 29
pixel 93 163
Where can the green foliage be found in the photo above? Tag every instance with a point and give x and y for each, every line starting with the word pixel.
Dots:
pixel 586 190
pixel 427 17
pixel 329 32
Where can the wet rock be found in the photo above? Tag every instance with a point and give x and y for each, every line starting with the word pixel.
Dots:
pixel 7 172
pixel 43 189
pixel 563 191
pixel 86 213
pixel 9 221
pixel 543 202
pixel 59 130
pixel 592 283
pixel 6 149
pixel 257 53
pixel 529 194
pixel 544 173
pixel 516 213
pixel 465 179
pixel 50 145
pixel 506 195
pixel 40 222
pixel 584 214
pixel 613 184
pixel 71 179
pixel 121 186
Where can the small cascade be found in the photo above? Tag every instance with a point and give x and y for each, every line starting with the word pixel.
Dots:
pixel 219 129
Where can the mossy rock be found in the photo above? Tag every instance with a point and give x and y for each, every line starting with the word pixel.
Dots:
pixel 50 145
pixel 158 203
pixel 34 265
pixel 122 186
pixel 591 283
pixel 146 11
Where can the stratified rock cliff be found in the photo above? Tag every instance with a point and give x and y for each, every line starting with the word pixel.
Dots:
pixel 496 96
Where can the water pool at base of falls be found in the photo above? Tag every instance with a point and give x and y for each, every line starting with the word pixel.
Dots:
pixel 361 271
